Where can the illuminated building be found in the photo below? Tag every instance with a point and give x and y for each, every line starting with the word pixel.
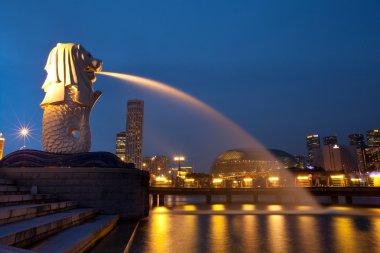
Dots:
pixel 337 158
pixel 372 158
pixel 120 145
pixel 134 136
pixel 2 140
pixel 240 163
pixel 330 140
pixel 357 140
pixel 156 164
pixel 313 142
pixel 373 138
pixel 301 161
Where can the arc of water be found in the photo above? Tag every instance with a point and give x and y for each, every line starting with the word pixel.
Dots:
pixel 182 96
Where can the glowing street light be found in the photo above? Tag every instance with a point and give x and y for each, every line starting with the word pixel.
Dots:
pixel 24 133
pixel 179 159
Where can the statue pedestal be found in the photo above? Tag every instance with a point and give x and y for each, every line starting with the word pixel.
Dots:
pixel 109 190
pixel 123 190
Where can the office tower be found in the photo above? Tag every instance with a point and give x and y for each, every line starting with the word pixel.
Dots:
pixel 301 161
pixel 156 165
pixel 356 140
pixel 120 145
pixel 330 140
pixel 373 138
pixel 2 140
pixel 313 142
pixel 134 136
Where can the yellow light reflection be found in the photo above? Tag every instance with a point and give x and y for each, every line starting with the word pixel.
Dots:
pixel 250 237
pixel 274 208
pixel 248 207
pixel 376 232
pixel 305 208
pixel 277 234
pixel 309 234
pixel 160 209
pixel 345 239
pixel 218 207
pixel 218 234
pixel 159 240
pixel 190 207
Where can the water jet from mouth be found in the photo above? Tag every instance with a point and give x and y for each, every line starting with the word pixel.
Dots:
pixel 229 126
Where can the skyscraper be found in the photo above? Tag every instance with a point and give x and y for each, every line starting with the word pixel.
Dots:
pixel 356 140
pixel 134 136
pixel 373 138
pixel 330 140
pixel 2 140
pixel 313 142
pixel 120 145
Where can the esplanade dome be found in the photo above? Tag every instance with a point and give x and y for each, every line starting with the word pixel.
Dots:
pixel 248 161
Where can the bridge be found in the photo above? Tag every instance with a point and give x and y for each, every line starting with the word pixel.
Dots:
pixel 159 193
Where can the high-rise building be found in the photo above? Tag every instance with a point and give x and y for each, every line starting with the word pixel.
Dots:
pixel 156 164
pixel 134 136
pixel 120 145
pixel 301 161
pixel 2 140
pixel 313 142
pixel 330 140
pixel 373 138
pixel 356 140
pixel 372 158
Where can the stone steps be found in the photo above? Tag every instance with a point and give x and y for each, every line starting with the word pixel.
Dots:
pixel 27 232
pixel 21 212
pixel 17 199
pixel 13 188
pixel 36 221
pixel 4 181
pixel 78 238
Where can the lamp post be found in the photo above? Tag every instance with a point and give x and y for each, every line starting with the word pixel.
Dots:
pixel 179 159
pixel 24 133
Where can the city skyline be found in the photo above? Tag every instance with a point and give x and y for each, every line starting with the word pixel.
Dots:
pixel 279 73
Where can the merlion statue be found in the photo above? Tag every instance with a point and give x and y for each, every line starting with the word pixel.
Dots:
pixel 69 98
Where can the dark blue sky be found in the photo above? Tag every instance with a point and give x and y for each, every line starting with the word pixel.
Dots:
pixel 279 69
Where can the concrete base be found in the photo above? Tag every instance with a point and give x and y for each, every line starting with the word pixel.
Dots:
pixel 109 190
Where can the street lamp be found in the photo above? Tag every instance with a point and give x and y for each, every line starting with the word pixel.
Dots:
pixel 24 133
pixel 179 159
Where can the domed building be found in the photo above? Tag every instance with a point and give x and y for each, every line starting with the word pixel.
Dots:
pixel 241 162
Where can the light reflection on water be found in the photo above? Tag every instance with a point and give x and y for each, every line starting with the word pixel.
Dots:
pixel 249 228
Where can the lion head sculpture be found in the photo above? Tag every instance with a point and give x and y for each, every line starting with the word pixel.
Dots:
pixel 71 66
pixel 69 99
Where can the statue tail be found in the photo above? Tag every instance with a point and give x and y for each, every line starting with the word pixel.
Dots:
pixel 65 129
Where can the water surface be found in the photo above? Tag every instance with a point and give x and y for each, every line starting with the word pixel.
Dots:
pixel 258 228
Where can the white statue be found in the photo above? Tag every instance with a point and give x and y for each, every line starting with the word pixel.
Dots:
pixel 69 98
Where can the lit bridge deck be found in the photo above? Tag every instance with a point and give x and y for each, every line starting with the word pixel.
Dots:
pixel 159 193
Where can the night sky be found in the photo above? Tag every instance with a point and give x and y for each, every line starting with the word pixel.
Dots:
pixel 279 69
